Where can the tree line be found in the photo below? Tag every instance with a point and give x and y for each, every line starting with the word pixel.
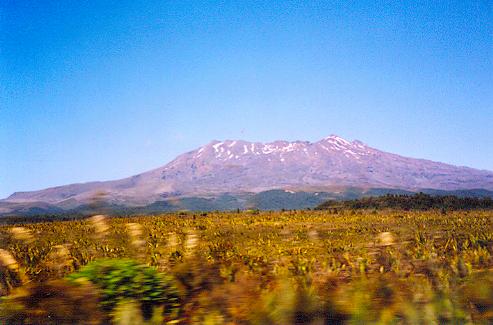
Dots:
pixel 418 201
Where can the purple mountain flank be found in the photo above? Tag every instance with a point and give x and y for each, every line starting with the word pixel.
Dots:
pixel 235 166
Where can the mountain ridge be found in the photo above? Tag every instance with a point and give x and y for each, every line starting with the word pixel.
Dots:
pixel 238 166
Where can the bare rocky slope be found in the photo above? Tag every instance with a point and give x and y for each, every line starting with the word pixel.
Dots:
pixel 234 167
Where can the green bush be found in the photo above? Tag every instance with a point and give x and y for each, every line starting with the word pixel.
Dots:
pixel 123 279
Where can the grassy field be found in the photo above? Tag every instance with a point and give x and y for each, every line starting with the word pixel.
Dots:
pixel 291 267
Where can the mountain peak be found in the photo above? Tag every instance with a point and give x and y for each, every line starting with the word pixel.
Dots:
pixel 232 143
pixel 336 139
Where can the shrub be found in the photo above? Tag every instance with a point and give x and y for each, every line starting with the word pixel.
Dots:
pixel 123 279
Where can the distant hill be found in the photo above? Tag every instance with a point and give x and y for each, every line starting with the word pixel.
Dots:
pixel 235 174
pixel 419 201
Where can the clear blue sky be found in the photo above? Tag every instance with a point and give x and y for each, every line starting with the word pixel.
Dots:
pixel 98 90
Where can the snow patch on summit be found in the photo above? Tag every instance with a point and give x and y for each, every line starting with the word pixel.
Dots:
pixel 216 146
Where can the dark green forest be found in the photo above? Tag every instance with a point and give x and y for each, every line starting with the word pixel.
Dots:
pixel 419 201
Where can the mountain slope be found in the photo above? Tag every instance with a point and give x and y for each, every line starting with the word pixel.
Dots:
pixel 234 166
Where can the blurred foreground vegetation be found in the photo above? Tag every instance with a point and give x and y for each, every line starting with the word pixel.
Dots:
pixel 292 267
